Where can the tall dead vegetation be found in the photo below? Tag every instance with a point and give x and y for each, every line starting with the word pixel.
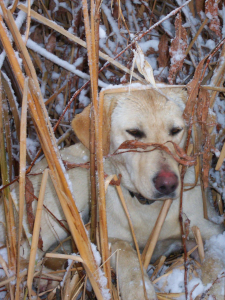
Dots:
pixel 66 58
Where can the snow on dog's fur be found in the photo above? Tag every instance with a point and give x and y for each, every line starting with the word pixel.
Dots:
pixel 149 117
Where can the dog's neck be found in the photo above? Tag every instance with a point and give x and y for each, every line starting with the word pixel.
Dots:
pixel 141 199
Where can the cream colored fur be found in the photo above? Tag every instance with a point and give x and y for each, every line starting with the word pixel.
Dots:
pixel 153 114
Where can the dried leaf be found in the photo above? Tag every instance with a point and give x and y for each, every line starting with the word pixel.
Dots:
pixel 37 35
pixel 177 49
pixel 50 47
pixel 193 90
pixel 211 11
pixel 133 146
pixel 202 116
pixel 199 7
pixel 143 65
pixel 52 6
pixel 163 52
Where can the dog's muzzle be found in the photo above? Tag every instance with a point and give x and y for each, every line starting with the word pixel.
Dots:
pixel 141 199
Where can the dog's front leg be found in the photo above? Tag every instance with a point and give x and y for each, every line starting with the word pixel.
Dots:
pixel 129 273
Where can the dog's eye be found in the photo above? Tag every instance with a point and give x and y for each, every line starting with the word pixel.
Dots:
pixel 175 130
pixel 138 134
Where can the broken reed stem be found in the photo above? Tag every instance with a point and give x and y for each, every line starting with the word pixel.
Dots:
pixel 199 242
pixel 92 48
pixel 28 21
pixel 7 201
pixel 123 202
pixel 36 231
pixel 23 136
pixel 77 40
pixel 47 139
pixel 151 243
pixel 8 137
pixel 183 235
pixel 93 180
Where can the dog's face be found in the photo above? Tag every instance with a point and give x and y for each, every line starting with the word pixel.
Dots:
pixel 149 117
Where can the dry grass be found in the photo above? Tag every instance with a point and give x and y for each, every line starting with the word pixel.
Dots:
pixel 52 101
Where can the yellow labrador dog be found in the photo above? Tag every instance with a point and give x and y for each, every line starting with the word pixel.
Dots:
pixel 147 180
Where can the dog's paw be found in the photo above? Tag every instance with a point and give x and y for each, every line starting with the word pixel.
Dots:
pixel 132 288
pixel 129 273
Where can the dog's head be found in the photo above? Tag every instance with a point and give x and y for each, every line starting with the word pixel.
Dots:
pixel 151 118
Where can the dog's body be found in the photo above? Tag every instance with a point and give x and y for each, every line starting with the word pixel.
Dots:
pixel 148 117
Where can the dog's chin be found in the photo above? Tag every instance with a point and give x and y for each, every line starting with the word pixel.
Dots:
pixel 160 196
pixel 156 197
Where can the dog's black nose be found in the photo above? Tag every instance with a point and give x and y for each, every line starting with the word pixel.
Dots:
pixel 166 182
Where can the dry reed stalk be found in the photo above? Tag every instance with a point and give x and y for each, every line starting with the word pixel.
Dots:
pixel 12 104
pixel 12 278
pixel 36 231
pixel 85 286
pixel 166 274
pixel 66 283
pixel 14 110
pixel 159 266
pixel 218 77
pixel 14 6
pixel 23 148
pixel 7 201
pixel 75 39
pixel 198 239
pixel 77 292
pixel 115 293
pixel 95 18
pixel 92 48
pixel 221 159
pixel 151 243
pixel 33 294
pixel 160 297
pixel 94 204
pixel 74 284
pixel 180 260
pixel 123 202
pixel 196 36
pixel 46 136
pixel 28 21
pixel 8 137
pixel 213 88
pixel 170 295
pixel 4 266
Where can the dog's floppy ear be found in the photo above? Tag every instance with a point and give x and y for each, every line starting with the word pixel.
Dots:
pixel 178 95
pixel 81 125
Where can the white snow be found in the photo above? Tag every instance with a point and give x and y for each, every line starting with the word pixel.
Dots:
pixel 168 27
pixel 112 22
pixel 32 147
pixel 210 44
pixel 55 59
pixel 83 98
pixel 96 254
pixel 174 283
pixel 2 58
pixel 102 32
pixel 59 106
pixel 216 246
pixel 145 46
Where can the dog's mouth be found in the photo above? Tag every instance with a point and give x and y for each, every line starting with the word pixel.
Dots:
pixel 141 198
